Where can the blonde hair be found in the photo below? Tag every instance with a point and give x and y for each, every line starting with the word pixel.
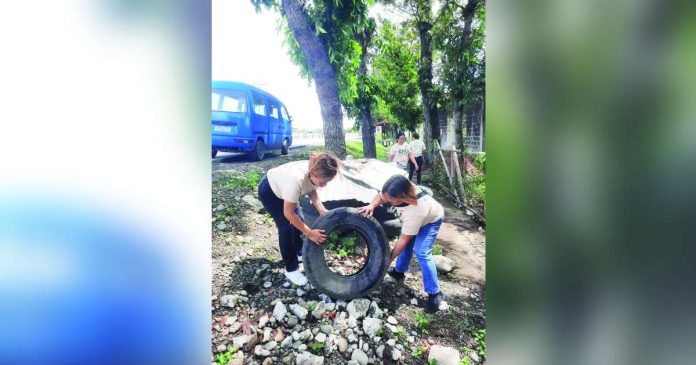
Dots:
pixel 323 165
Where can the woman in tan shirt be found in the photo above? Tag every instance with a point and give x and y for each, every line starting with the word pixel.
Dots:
pixel 422 217
pixel 280 191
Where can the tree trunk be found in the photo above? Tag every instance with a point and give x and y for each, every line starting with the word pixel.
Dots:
pixel 324 76
pixel 458 122
pixel 365 101
pixel 425 71
pixel 368 135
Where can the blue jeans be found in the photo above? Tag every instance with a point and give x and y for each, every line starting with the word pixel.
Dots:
pixel 422 245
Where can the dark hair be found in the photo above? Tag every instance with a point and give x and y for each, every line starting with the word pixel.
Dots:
pixel 415 135
pixel 400 134
pixel 398 186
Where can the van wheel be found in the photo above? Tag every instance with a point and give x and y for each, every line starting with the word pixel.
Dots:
pixel 214 152
pixel 359 284
pixel 284 149
pixel 259 152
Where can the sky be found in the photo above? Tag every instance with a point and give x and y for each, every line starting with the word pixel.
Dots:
pixel 246 47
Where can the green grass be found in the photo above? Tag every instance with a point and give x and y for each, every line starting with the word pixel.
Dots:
pixel 422 321
pixel 437 250
pixel 355 149
pixel 245 180
pixel 419 352
pixel 317 347
pixel 480 337
pixel 223 359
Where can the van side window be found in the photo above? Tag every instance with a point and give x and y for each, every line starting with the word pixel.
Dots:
pixel 232 101
pixel 284 113
pixel 259 104
pixel 273 109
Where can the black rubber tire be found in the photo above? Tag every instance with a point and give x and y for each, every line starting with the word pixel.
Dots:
pixel 215 151
pixel 259 152
pixel 360 283
pixel 385 215
pixel 285 148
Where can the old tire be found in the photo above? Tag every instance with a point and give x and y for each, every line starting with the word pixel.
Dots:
pixel 360 283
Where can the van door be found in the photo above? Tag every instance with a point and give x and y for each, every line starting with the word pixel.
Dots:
pixel 259 119
pixel 229 112
pixel 275 125
pixel 287 125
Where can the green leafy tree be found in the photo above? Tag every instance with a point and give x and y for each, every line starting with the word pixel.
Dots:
pixel 459 38
pixel 321 38
pixel 395 76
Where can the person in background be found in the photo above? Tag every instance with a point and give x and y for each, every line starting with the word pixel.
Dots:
pixel 416 146
pixel 422 217
pixel 280 191
pixel 400 153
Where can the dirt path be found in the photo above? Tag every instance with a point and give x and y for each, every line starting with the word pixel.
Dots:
pixel 247 267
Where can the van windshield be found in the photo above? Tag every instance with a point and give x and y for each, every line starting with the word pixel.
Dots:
pixel 232 101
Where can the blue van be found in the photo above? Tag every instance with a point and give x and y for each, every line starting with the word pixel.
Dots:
pixel 248 119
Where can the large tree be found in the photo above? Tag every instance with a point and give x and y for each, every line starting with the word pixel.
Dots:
pixel 459 38
pixel 320 35
pixel 395 76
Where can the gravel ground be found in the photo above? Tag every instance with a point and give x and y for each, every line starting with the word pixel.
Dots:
pixel 248 283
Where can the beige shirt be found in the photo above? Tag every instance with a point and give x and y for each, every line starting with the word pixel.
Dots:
pixel 416 216
pixel 290 181
pixel 400 152
pixel 417 147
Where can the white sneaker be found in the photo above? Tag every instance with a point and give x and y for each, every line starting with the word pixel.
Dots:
pixel 296 277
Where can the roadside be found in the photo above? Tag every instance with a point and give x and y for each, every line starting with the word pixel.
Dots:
pixel 249 285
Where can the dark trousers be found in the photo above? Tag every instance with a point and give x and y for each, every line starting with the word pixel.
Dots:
pixel 419 161
pixel 289 237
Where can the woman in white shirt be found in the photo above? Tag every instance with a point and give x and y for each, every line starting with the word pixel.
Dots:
pixel 416 146
pixel 400 152
pixel 280 191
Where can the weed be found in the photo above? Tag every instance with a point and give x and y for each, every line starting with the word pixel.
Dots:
pixel 465 355
pixel 432 362
pixel 311 306
pixel 422 321
pixel 418 352
pixel 245 180
pixel 317 347
pixel 437 250
pixel 380 331
pixel 400 331
pixel 344 244
pixel 480 337
pixel 223 359
pixel 269 220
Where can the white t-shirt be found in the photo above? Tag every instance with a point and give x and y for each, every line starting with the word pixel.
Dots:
pixel 417 147
pixel 290 181
pixel 400 152
pixel 426 211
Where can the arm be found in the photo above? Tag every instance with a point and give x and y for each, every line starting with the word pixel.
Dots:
pixel 390 156
pixel 367 210
pixel 413 160
pixel 314 198
pixel 316 235
pixel 400 245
